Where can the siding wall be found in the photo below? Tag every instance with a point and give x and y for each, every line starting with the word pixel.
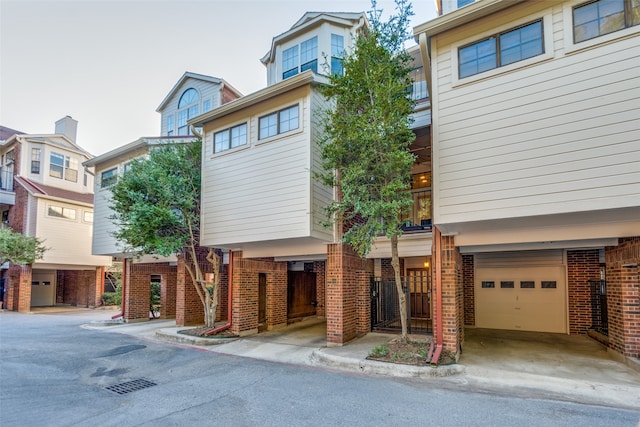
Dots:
pixel 261 191
pixel 559 135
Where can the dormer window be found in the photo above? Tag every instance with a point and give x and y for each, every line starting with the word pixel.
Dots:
pixel 308 58
pixel 188 108
pixel 61 166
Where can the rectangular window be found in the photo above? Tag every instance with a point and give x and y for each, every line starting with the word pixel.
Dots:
pixel 5 217
pixel 527 284
pixel 602 17
pixel 61 212
pixel 309 55
pixel 230 138
pixel 170 124
pixel 290 62
pixel 71 169
pixel 548 284
pixel 35 160
pixel 506 284
pixel 206 105
pixel 86 179
pixel 488 285
pixel 56 165
pixel 183 116
pixel 464 2
pixel 87 216
pixel 337 53
pixel 501 49
pixel 108 177
pixel 279 122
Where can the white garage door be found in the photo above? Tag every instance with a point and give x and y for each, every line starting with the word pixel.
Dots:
pixel 513 291
pixel 43 288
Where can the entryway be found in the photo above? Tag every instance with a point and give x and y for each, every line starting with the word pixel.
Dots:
pixel 301 294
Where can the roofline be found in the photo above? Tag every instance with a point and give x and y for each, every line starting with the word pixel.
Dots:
pixel 135 145
pixel 27 186
pixel 189 74
pixel 302 79
pixel 323 16
pixel 463 15
pixel 26 136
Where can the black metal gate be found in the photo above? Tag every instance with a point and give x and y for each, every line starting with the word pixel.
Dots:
pixel 599 314
pixel 385 308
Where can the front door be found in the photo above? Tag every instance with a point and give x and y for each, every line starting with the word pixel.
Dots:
pixel 301 294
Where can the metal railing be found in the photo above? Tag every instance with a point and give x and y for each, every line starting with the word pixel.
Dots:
pixel 419 87
pixel 385 307
pixel 599 312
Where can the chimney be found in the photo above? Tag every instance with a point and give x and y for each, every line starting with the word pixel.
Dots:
pixel 68 127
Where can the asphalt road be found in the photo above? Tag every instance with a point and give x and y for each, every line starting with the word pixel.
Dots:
pixel 55 373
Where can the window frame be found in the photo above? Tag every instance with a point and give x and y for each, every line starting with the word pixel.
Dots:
pixel 60 166
pixel 569 19
pixel 36 160
pixel 187 110
pixel 337 54
pixel 62 214
pixel 278 122
pixel 111 179
pixel 547 31
pixel 229 133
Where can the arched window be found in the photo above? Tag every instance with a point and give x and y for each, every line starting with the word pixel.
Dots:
pixel 188 107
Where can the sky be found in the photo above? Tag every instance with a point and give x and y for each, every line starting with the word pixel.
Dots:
pixel 109 64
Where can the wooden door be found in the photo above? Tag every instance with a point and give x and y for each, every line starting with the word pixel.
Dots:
pixel 420 292
pixel 301 294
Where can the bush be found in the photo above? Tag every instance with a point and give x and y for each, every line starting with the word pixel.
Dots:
pixel 113 298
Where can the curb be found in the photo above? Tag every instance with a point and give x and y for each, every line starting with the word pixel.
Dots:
pixel 173 336
pixel 381 368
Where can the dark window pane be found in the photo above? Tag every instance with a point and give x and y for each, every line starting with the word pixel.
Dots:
pixel 506 284
pixel 528 284
pixel 488 284
pixel 549 284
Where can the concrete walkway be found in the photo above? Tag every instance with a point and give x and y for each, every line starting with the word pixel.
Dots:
pixel 551 366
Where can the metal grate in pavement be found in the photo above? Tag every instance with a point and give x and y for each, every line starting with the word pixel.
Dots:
pixel 129 386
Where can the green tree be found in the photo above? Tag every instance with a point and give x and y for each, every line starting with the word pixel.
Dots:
pixel 156 207
pixel 18 248
pixel 365 150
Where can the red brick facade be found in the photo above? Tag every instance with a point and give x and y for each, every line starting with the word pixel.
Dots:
pixel 623 296
pixel 582 266
pixel 468 279
pixel 18 288
pixel 81 288
pixel 347 293
pixel 452 296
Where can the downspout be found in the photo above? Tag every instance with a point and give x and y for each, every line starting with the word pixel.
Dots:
pixel 437 263
pixel 124 287
pixel 229 301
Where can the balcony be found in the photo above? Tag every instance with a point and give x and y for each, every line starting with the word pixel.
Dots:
pixel 7 195
pixel 418 219
pixel 419 88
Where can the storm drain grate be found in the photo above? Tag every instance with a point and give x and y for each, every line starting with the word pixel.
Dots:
pixel 129 386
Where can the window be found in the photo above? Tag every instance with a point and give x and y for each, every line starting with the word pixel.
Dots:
pixel 56 166
pixel 337 52
pixel 86 179
pixel 87 216
pixel 10 157
pixel 126 167
pixel 501 49
pixel 464 2
pixel 109 177
pixel 279 122
pixel 35 160
pixel 170 124
pixel 5 217
pixel 309 55
pixel 190 108
pixel 62 167
pixel 290 62
pixel 206 105
pixel 230 138
pixel 61 212
pixel 602 17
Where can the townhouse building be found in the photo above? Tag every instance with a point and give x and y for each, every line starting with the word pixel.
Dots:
pixel 46 193
pixel 536 166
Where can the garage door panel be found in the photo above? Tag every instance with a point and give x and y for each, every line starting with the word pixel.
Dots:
pixel 521 308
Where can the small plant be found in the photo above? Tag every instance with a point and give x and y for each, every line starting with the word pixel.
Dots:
pixel 113 298
pixel 154 299
pixel 379 351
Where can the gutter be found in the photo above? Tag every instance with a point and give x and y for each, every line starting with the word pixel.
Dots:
pixel 229 301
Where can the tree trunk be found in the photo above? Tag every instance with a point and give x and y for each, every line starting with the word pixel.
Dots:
pixel 402 300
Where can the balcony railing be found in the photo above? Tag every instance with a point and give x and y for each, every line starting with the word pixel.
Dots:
pixel 419 216
pixel 419 88
pixel 6 179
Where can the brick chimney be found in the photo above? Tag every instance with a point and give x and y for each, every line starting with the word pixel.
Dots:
pixel 68 127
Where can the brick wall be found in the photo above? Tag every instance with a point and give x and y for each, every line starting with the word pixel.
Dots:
pixel 346 287
pixel 18 288
pixel 386 269
pixel 582 266
pixel 320 268
pixel 623 296
pixel 18 212
pixel 468 279
pixel 452 296
pixel 246 273
pixel 81 288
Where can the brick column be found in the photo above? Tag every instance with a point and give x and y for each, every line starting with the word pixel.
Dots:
pixel 189 309
pixel 452 296
pixel 319 267
pixel 623 296
pixel 468 279
pixel 582 266
pixel 168 294
pixel 99 288
pixel 19 288
pixel 343 293
pixel 136 292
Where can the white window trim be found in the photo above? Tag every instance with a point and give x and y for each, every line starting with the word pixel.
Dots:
pixel 567 23
pixel 547 33
pixel 212 139
pixel 286 134
pixel 62 217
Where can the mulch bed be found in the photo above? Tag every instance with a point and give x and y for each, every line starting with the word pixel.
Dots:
pixel 413 352
pixel 199 332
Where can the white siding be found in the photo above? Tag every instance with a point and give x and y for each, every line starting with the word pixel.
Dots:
pixel 68 241
pixel 262 191
pixel 207 90
pixel 560 135
pixel 103 241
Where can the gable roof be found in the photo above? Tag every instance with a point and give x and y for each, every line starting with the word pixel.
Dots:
pixel 196 76
pixel 311 19
pixel 54 192
pixel 6 133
